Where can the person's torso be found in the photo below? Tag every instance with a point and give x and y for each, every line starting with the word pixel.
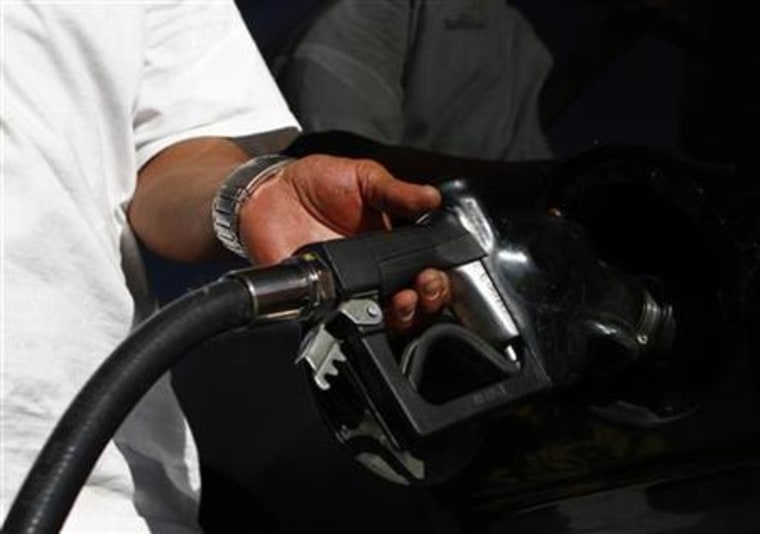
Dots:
pixel 471 75
pixel 460 77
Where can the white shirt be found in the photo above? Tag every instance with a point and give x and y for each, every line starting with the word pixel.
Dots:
pixel 91 91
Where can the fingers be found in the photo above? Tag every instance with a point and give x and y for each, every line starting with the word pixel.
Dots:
pixel 433 289
pixel 394 197
pixel 412 307
pixel 401 311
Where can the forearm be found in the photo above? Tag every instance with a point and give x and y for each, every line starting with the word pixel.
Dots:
pixel 171 208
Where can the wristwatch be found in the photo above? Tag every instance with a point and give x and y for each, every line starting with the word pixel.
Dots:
pixel 234 191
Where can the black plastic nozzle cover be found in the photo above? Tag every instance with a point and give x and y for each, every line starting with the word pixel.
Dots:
pixel 389 261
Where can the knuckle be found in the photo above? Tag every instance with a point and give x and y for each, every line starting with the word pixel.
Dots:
pixel 370 168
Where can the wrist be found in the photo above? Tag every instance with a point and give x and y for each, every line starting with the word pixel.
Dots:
pixel 236 189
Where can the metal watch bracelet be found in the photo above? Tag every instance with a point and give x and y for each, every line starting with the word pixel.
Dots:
pixel 234 191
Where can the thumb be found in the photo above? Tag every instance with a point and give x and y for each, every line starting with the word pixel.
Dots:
pixel 397 198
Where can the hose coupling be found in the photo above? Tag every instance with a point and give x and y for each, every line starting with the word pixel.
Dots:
pixel 300 288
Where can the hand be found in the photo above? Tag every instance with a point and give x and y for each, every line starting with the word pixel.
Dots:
pixel 318 198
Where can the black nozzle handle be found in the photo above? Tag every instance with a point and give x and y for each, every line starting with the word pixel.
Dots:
pixel 385 262
pixel 407 416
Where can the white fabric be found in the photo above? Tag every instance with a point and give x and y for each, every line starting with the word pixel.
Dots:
pixel 91 91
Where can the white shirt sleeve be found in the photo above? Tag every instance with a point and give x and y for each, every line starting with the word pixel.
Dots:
pixel 203 76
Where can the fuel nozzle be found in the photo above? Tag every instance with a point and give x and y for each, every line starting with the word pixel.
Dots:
pixel 533 309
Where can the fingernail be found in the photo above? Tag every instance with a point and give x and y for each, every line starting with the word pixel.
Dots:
pixel 432 289
pixel 406 315
pixel 433 192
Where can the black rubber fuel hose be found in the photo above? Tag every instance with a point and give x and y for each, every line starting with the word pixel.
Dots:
pixel 61 469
